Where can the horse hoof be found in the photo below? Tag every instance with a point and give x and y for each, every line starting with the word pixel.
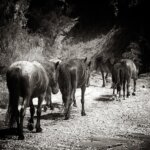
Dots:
pixel 45 108
pixel 39 129
pixel 128 95
pixel 75 105
pixel 118 99
pixel 21 137
pixel 87 85
pixel 30 126
pixel 113 98
pixel 133 94
pixel 83 114
pixel 51 107
pixel 67 117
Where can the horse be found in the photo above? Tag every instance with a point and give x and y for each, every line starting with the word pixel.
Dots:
pixel 48 99
pixel 104 66
pixel 28 80
pixel 123 71
pixel 73 74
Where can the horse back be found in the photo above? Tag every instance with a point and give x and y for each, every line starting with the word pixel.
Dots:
pixel 73 72
pixel 30 77
pixel 130 68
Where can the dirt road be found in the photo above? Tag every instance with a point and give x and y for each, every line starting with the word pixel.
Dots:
pixel 108 125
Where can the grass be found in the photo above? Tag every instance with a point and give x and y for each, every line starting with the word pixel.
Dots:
pixel 3 93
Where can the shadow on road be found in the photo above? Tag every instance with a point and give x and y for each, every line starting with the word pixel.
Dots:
pixel 142 138
pixel 56 105
pixel 52 116
pixel 56 114
pixel 104 98
pixel 128 142
pixel 7 132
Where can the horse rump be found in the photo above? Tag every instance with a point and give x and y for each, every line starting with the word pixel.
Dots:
pixel 73 74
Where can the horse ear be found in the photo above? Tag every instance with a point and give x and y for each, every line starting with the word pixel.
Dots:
pixel 85 59
pixel 56 64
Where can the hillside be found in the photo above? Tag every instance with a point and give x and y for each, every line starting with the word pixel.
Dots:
pixel 66 29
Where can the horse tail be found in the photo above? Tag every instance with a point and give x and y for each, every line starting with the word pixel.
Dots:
pixel 65 80
pixel 13 84
pixel 121 74
pixel 119 77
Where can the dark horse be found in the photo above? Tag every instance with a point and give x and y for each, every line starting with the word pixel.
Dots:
pixel 123 71
pixel 49 67
pixel 73 73
pixel 28 80
pixel 105 66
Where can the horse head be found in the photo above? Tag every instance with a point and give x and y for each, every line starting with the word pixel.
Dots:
pixel 54 78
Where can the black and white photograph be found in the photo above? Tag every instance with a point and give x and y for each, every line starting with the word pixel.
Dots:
pixel 74 75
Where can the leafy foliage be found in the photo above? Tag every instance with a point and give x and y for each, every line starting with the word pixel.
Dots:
pixel 133 52
pixel 112 28
pixel 19 44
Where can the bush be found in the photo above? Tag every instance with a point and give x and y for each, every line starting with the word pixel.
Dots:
pixel 17 44
pixel 3 94
pixel 133 52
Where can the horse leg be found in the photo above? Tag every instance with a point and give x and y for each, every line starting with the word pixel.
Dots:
pixel 124 84
pixel 112 81
pixel 88 82
pixel 67 101
pixel 22 114
pixel 114 87
pixel 74 86
pixel 113 91
pixel 83 88
pixel 48 99
pixel 106 77
pixel 40 100
pixel 128 87
pixel 74 99
pixel 18 121
pixel 134 87
pixel 31 120
pixel 118 96
pixel 103 77
pixel 51 104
